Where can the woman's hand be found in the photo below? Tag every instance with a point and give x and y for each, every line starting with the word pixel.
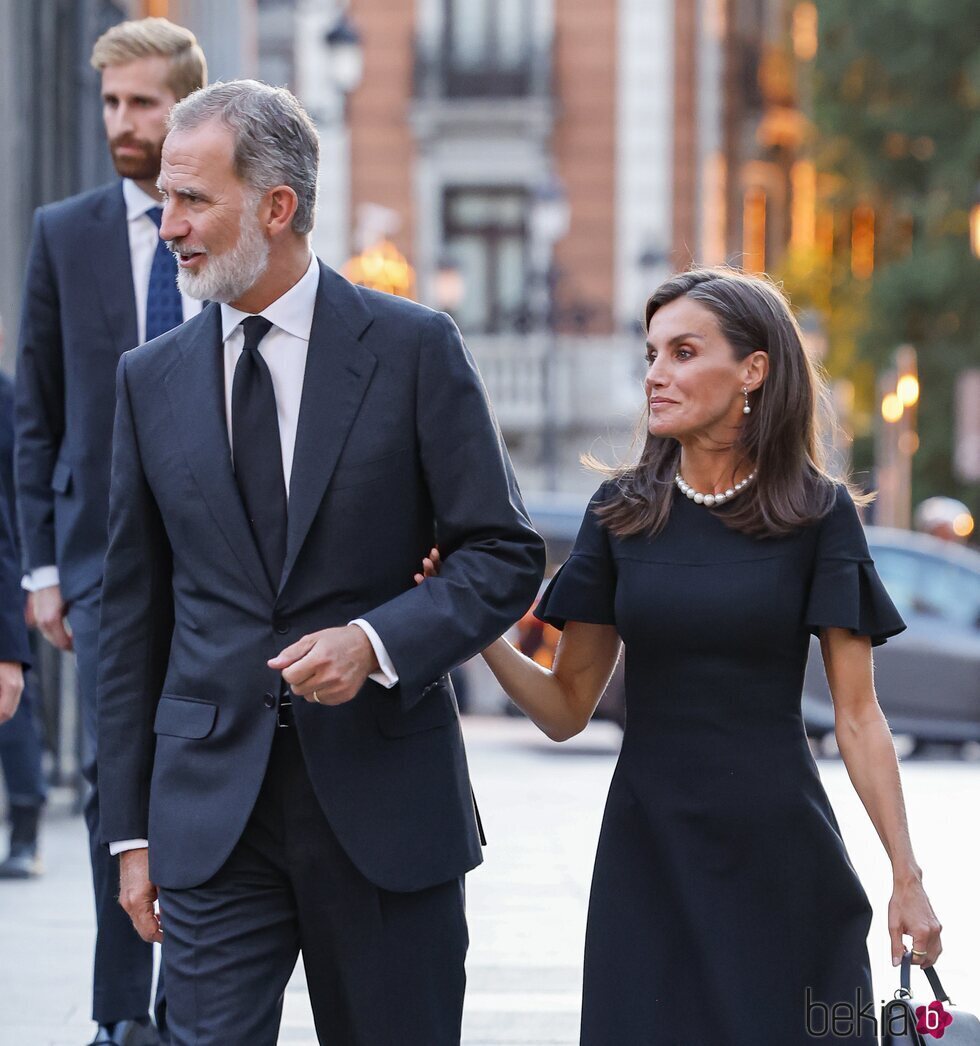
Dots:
pixel 430 566
pixel 910 913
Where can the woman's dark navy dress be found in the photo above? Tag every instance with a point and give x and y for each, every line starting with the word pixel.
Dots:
pixel 723 899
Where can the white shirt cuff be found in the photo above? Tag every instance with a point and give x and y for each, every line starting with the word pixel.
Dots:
pixel 127 844
pixel 40 577
pixel 386 674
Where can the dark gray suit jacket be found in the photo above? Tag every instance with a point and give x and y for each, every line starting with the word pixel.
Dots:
pixel 79 316
pixel 396 448
pixel 14 645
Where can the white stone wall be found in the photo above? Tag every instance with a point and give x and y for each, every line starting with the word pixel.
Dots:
pixel 644 153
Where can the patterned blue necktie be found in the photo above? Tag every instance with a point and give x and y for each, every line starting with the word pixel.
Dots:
pixel 164 308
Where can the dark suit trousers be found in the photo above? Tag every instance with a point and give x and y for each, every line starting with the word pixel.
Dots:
pixel 123 969
pixel 382 969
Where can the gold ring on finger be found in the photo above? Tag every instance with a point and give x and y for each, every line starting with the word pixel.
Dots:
pixel 315 698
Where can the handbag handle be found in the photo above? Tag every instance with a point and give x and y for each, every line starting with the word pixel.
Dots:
pixel 929 971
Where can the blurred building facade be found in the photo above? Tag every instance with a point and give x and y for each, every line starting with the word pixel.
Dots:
pixel 549 162
pixel 541 165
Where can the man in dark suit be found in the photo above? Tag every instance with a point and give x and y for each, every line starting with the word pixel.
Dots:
pixel 15 653
pixel 20 740
pixel 274 710
pixel 98 283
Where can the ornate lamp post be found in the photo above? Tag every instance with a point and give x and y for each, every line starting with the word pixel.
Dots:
pixel 549 220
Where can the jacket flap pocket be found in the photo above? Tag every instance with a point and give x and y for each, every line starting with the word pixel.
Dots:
pixel 437 707
pixel 61 478
pixel 184 717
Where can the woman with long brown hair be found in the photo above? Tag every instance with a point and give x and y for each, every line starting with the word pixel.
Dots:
pixel 724 907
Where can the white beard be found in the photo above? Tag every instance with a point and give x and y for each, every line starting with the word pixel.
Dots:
pixel 226 277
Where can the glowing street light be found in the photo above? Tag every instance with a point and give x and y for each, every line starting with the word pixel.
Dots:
pixel 382 268
pixel 975 223
pixel 907 390
pixel 892 408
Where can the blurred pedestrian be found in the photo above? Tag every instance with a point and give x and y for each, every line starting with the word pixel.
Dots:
pixel 20 739
pixel 275 720
pixel 724 908
pixel 99 281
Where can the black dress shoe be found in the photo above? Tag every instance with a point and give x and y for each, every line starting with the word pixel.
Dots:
pixel 126 1033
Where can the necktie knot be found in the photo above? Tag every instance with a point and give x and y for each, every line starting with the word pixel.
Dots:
pixel 255 328
pixel 155 214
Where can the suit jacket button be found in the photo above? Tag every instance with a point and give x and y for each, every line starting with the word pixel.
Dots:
pixel 281 627
pixel 269 700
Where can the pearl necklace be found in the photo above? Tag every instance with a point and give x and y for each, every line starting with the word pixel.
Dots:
pixel 711 500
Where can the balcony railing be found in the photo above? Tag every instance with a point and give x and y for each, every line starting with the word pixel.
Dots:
pixel 440 76
pixel 594 382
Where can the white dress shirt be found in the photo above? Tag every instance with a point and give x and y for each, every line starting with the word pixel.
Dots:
pixel 143 239
pixel 284 350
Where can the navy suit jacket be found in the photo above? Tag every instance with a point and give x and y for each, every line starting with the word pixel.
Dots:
pixel 14 645
pixel 396 448
pixel 79 316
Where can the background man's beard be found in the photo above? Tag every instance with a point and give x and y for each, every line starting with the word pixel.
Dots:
pixel 140 168
pixel 226 277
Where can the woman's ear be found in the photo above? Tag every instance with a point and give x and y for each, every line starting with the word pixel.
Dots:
pixel 755 370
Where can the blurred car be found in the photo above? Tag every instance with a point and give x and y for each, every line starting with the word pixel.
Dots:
pixel 927 678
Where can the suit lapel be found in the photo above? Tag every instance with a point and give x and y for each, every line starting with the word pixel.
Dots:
pixel 338 371
pixel 107 238
pixel 196 389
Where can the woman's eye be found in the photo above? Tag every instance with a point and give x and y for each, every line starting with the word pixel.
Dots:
pixel 684 354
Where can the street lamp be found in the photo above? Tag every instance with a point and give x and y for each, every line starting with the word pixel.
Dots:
pixel 346 55
pixel 898 439
pixel 975 223
pixel 548 220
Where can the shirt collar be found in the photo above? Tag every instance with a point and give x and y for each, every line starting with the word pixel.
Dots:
pixel 137 201
pixel 292 312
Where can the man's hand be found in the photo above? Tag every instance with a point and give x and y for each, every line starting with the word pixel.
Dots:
pixel 332 664
pixel 137 894
pixel 11 687
pixel 49 611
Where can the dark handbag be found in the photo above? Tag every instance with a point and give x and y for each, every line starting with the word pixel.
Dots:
pixel 909 1021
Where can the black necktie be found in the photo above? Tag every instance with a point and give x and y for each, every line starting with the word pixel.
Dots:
pixel 257 451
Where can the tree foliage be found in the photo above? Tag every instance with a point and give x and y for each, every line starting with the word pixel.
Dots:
pixel 896 109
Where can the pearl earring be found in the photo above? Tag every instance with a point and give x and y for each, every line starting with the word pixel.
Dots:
pixel 746 409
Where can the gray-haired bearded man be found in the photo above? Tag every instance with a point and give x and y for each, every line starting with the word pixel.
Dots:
pixel 275 713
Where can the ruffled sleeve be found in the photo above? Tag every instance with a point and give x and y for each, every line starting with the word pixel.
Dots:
pixel 584 589
pixel 846 591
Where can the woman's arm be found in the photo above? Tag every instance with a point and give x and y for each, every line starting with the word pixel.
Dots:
pixel 866 747
pixel 560 702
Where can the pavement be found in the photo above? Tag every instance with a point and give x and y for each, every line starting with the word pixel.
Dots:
pixel 541 805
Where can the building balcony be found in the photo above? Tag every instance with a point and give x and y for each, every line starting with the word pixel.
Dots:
pixel 490 98
pixel 588 385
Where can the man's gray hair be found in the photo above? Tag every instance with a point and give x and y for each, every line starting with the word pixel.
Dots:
pixel 275 140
